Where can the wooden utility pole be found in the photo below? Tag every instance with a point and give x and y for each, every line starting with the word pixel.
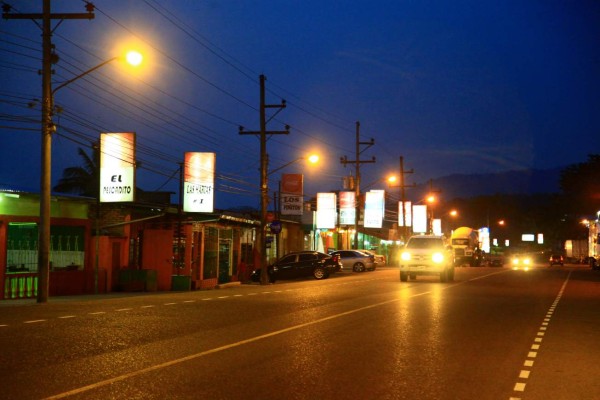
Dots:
pixel 260 243
pixel 344 160
pixel 48 128
pixel 403 186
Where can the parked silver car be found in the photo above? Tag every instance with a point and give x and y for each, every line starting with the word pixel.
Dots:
pixel 379 259
pixel 356 260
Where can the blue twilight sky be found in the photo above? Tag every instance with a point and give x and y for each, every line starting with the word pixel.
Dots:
pixel 452 86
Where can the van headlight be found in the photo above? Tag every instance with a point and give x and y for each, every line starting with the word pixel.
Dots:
pixel 405 256
pixel 437 258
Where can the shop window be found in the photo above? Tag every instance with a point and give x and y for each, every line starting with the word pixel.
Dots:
pixel 66 247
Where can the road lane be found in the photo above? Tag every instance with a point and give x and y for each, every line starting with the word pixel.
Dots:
pixel 366 333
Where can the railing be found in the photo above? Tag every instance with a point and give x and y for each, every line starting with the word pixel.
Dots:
pixel 20 286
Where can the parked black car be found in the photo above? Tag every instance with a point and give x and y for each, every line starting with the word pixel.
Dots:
pixel 301 263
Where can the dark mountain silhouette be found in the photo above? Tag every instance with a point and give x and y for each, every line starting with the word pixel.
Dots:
pixel 531 181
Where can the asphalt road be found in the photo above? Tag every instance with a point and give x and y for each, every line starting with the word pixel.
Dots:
pixel 494 333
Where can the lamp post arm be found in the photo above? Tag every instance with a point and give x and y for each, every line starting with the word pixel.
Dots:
pixel 62 85
pixel 285 165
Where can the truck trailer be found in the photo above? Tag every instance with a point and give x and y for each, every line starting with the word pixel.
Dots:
pixel 594 243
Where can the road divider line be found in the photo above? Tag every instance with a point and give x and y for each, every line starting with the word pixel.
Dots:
pixel 167 364
pixel 524 374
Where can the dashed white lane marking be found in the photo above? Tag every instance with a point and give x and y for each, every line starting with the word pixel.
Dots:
pixel 66 317
pixel 213 298
pixel 34 321
pixel 524 373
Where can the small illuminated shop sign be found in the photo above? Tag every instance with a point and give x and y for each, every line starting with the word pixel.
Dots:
pixel 374 208
pixel 404 214
pixel 326 210
pixel 292 190
pixel 117 167
pixel 198 182
pixel 419 218
pixel 347 208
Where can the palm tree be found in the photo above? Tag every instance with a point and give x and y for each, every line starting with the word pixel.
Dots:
pixel 84 180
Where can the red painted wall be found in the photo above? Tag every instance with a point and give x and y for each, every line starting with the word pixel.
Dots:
pixel 157 253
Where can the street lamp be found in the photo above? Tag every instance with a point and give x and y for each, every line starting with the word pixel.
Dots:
pixel 431 199
pixel 48 128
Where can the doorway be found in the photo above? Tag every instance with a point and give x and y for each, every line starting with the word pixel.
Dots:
pixel 224 260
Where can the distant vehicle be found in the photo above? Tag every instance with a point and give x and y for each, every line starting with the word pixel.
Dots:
pixel 301 263
pixel 427 255
pixel 465 245
pixel 521 261
pixel 594 244
pixel 556 259
pixel 496 260
pixel 379 259
pixel 356 260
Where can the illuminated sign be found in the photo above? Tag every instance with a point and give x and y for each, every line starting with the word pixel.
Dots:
pixel 419 219
pixel 292 188
pixel 374 207
pixel 198 182
pixel 436 226
pixel 528 237
pixel 347 208
pixel 404 216
pixel 117 167
pixel 326 210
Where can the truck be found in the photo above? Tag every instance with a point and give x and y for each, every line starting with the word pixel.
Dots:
pixel 594 242
pixel 466 246
pixel 577 250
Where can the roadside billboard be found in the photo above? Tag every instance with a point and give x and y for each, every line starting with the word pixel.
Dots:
pixel 117 167
pixel 292 191
pixel 326 210
pixel 347 208
pixel 198 182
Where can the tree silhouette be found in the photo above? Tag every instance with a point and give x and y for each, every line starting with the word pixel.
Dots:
pixel 581 185
pixel 83 180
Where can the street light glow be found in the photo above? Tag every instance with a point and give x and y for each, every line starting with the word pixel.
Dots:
pixel 313 159
pixel 134 58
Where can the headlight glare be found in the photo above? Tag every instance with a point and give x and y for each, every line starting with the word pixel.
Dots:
pixel 437 258
pixel 405 256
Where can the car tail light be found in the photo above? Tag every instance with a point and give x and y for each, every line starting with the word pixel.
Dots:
pixel 336 257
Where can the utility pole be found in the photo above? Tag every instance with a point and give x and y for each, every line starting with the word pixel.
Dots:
pixel 260 243
pixel 433 200
pixel 403 186
pixel 48 58
pixel 344 160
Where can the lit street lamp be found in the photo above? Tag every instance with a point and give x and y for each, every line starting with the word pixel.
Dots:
pixel 48 128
